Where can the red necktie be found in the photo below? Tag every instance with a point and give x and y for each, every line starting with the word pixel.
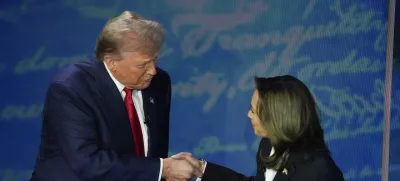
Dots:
pixel 135 124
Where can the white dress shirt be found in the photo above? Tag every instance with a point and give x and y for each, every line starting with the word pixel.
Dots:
pixel 138 102
pixel 269 174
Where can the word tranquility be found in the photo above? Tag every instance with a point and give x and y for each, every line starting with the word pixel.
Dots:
pixel 353 21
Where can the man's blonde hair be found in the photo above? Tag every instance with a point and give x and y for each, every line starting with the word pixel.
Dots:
pixel 129 32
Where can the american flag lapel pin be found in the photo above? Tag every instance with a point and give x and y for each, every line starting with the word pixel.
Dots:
pixel 284 171
pixel 151 100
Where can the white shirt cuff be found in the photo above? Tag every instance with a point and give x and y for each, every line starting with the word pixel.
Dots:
pixel 161 166
pixel 204 169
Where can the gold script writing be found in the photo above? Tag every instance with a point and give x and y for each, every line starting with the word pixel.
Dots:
pixel 38 63
pixel 15 175
pixel 11 112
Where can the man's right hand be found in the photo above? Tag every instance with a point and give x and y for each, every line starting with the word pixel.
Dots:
pixel 179 170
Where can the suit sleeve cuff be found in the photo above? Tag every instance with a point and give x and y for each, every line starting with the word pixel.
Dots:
pixel 161 166
pixel 204 169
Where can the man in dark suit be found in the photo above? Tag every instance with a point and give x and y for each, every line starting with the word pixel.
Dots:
pixel 108 118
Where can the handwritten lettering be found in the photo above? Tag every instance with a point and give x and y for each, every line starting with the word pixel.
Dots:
pixel 309 8
pixel 12 112
pixel 245 12
pixel 350 114
pixel 14 12
pixel 254 146
pixel 380 42
pixel 15 175
pixel 166 51
pixel 211 24
pixel 353 21
pixel 37 63
pixel 270 66
pixel 209 83
pixel 350 64
pixel 364 172
pixel 215 86
pixel 211 144
pixel 92 10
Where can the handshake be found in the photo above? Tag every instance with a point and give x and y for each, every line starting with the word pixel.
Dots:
pixel 182 167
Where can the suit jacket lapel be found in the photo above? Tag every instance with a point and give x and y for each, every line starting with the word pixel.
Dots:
pixel 290 167
pixel 264 150
pixel 285 174
pixel 114 110
pixel 150 116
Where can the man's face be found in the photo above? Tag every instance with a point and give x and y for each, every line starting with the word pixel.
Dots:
pixel 134 70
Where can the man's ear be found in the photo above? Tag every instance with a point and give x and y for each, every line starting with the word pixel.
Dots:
pixel 110 63
pixel 107 59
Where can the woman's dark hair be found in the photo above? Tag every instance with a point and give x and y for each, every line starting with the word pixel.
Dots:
pixel 289 113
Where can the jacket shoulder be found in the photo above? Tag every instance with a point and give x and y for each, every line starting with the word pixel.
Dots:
pixel 74 74
pixel 327 168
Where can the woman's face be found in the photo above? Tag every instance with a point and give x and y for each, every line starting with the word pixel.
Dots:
pixel 258 127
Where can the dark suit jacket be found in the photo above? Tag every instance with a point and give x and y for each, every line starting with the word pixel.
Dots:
pixel 86 133
pixel 319 167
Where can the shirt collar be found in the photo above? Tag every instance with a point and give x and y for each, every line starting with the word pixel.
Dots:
pixel 119 85
pixel 272 151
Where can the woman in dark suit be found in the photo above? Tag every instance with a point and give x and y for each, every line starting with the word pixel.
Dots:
pixel 284 113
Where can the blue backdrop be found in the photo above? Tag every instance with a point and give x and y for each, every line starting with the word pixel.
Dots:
pixel 212 52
